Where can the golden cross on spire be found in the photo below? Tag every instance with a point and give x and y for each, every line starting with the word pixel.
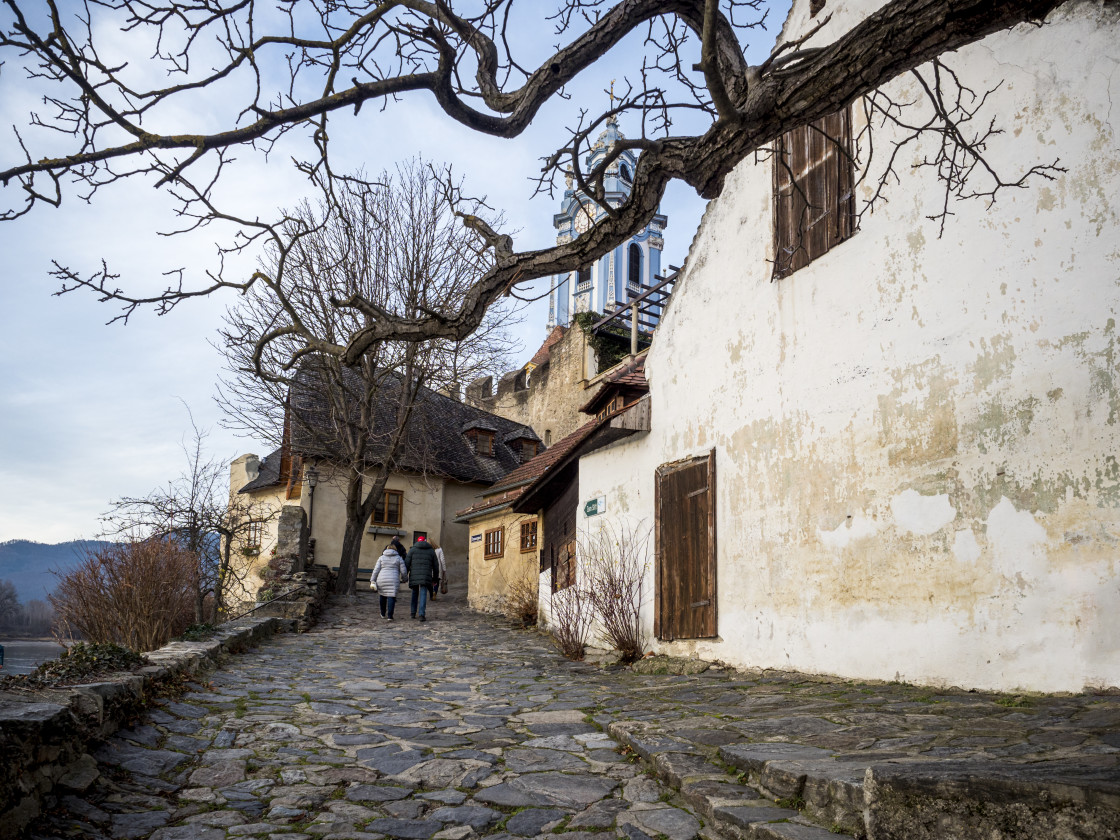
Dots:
pixel 610 93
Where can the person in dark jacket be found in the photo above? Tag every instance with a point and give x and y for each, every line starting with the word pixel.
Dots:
pixel 395 542
pixel 421 563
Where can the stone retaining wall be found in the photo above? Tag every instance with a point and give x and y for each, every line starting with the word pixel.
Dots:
pixel 45 737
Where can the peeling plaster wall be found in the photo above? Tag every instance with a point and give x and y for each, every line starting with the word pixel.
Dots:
pixel 916 437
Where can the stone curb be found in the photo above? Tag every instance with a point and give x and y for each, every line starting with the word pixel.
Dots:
pixel 903 799
pixel 45 744
pixel 732 808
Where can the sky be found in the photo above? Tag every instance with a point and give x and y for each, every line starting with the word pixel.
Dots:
pixel 91 412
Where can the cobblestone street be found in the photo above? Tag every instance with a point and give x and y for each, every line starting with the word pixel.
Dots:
pixel 463 727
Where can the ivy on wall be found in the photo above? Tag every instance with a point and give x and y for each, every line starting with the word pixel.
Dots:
pixel 611 343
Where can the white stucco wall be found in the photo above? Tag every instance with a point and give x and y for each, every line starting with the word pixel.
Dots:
pixel 916 438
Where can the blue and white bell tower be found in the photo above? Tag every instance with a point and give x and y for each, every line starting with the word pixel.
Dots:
pixel 621 274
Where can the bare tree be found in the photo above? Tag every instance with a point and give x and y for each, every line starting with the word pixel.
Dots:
pixel 10 610
pixel 290 70
pixel 197 512
pixel 395 243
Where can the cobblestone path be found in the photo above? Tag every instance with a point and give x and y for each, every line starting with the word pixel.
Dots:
pixel 364 728
pixel 462 727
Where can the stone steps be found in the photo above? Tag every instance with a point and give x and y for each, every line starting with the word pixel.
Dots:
pixel 892 798
pixel 736 810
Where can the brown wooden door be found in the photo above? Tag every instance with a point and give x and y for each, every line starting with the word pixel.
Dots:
pixel 558 543
pixel 686 550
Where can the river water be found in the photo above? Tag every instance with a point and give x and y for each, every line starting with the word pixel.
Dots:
pixel 21 656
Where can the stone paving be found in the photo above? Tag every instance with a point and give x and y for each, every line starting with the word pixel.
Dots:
pixel 462 727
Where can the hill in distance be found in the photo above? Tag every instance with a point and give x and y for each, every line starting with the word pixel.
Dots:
pixel 29 564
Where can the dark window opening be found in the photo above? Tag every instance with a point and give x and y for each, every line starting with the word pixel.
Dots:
pixel 584 279
pixel 813 192
pixel 634 265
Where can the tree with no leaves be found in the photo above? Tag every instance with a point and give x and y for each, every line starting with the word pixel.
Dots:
pixel 194 511
pixel 395 243
pixel 296 69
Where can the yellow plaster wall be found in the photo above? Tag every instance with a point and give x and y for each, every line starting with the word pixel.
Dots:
pixel 489 580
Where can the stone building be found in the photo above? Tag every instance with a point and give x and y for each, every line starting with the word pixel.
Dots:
pixel 883 451
pixel 451 452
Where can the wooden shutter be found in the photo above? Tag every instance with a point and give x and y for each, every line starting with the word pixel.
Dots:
pixel 685 584
pixel 813 200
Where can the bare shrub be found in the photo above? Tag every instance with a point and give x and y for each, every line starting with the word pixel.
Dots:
pixel 520 601
pixel 614 562
pixel 572 615
pixel 138 593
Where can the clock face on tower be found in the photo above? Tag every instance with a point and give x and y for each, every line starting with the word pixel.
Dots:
pixel 585 218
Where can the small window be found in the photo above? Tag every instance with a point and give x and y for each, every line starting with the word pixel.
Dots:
pixel 624 171
pixel 634 265
pixel 416 535
pixel 529 449
pixel 388 510
pixel 548 437
pixel 584 279
pixel 564 569
pixel 529 536
pixel 813 192
pixel 254 535
pixel 484 443
pixel 494 543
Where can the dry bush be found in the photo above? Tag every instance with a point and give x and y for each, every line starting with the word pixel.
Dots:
pixel 614 562
pixel 572 615
pixel 137 593
pixel 520 601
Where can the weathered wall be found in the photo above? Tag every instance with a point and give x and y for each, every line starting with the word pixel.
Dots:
pixel 490 579
pixel 424 510
pixel 245 582
pixel 455 535
pixel 551 402
pixel 916 438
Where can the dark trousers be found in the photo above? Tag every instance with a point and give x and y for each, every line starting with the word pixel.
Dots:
pixel 387 605
pixel 419 593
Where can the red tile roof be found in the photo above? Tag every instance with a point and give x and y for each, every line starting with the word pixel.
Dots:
pixel 631 376
pixel 545 351
pixel 517 482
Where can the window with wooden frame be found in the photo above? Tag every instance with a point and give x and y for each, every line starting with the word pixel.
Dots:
pixel 528 536
pixel 483 441
pixel 254 534
pixel 814 205
pixel 388 510
pixel 529 449
pixel 494 543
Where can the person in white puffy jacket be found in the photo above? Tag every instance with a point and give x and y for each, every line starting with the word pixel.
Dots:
pixel 387 575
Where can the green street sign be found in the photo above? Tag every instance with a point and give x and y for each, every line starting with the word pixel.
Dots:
pixel 591 508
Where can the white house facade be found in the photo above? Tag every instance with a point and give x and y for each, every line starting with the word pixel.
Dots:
pixel 908 465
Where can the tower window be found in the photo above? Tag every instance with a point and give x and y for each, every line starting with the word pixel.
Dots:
pixel 624 171
pixel 584 281
pixel 634 267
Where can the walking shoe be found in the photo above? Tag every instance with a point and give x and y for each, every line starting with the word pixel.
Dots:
pixel 388 618
pixel 422 618
pixel 413 615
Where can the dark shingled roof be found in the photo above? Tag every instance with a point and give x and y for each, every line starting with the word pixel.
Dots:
pixel 268 476
pixel 434 443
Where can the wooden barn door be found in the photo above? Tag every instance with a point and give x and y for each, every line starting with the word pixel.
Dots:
pixel 559 538
pixel 685 596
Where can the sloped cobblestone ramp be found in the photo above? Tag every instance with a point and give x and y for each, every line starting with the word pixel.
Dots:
pixel 462 727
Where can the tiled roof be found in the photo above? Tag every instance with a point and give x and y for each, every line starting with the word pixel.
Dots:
pixel 518 481
pixel 627 377
pixel 545 351
pixel 433 444
pixel 268 475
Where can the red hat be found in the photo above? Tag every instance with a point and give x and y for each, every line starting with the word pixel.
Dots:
pixel 420 539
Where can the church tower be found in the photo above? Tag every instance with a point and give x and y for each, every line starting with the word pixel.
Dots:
pixel 619 275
